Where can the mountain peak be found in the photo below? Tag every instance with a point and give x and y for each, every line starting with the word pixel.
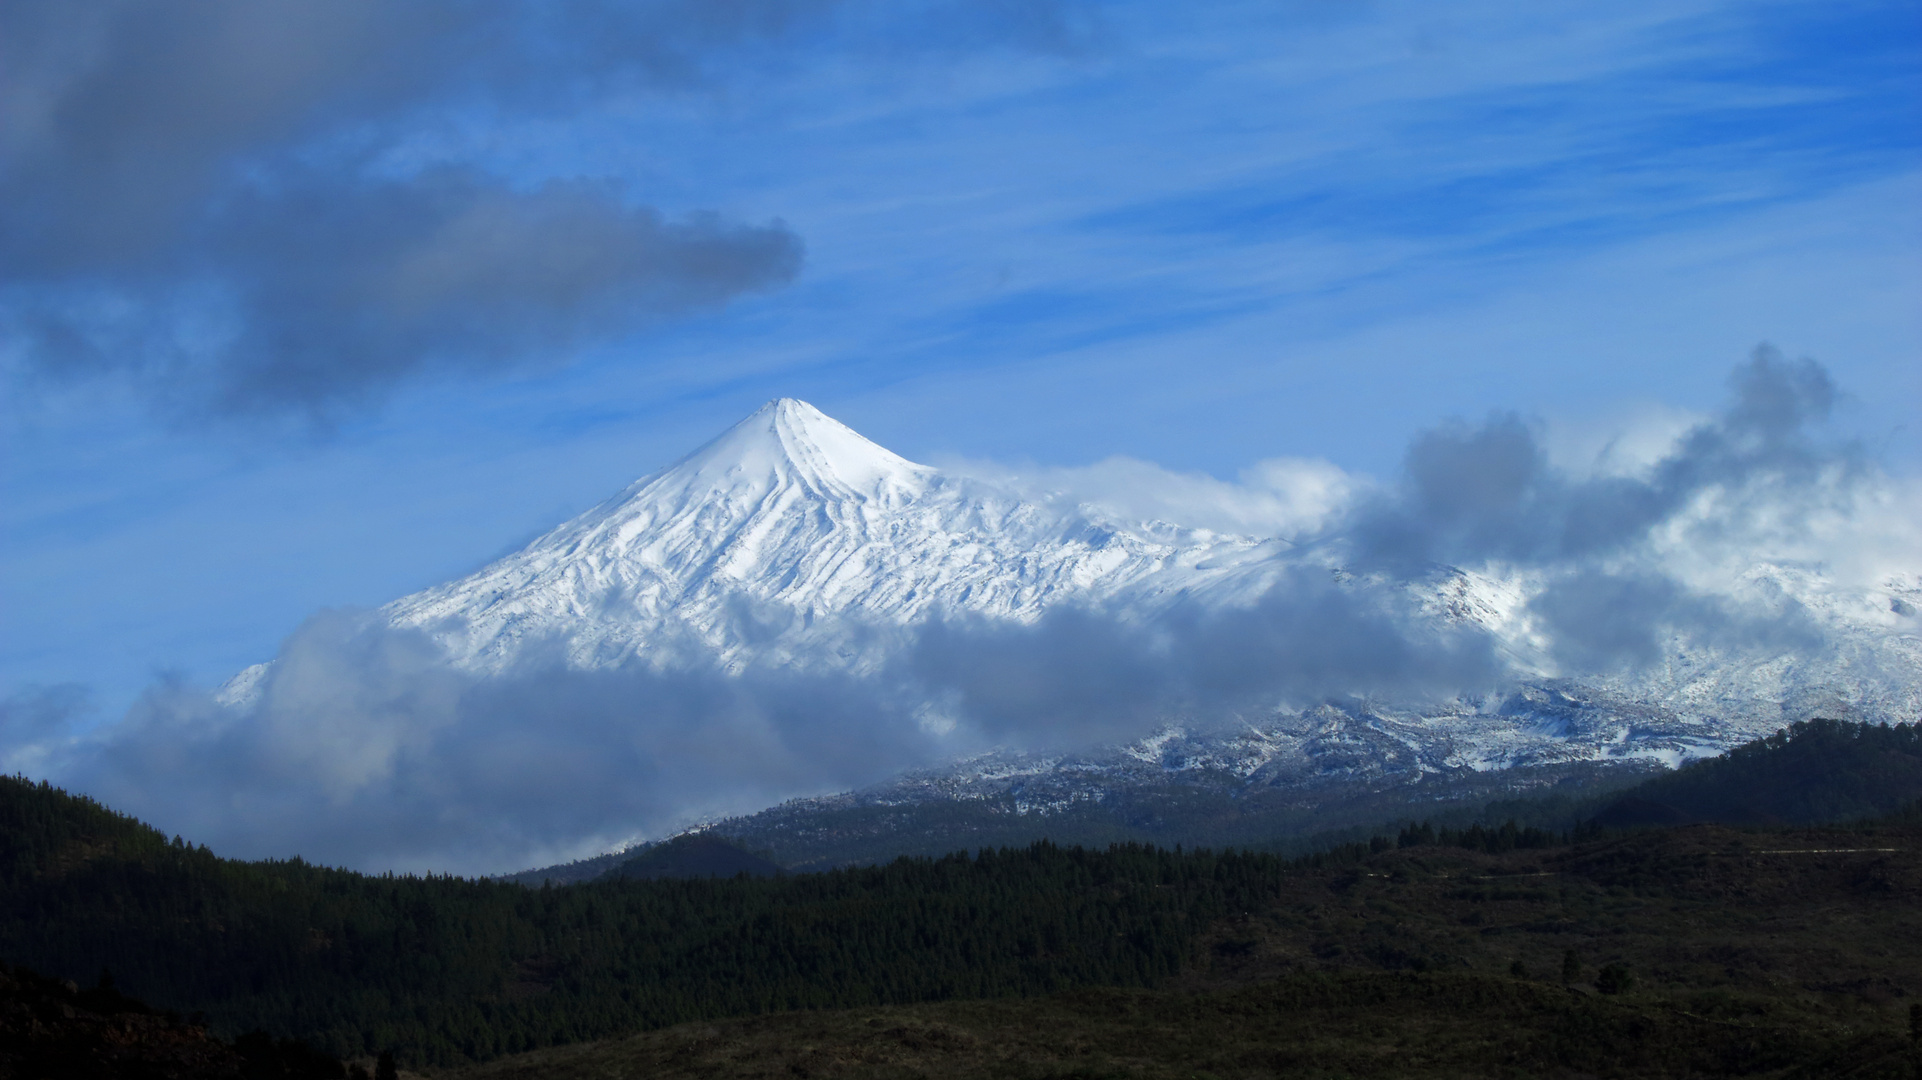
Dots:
pixel 788 439
pixel 793 409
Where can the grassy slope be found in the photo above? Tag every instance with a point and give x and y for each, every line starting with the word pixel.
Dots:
pixel 1759 953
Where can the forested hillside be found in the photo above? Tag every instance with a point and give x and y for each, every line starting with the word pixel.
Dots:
pixel 443 970
pixel 1810 772
pixel 1692 952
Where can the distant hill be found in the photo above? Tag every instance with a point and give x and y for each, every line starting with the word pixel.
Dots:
pixel 1812 772
pixel 696 855
pixel 591 868
pixel 1200 811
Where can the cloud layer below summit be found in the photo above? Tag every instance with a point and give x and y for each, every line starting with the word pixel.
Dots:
pixel 367 746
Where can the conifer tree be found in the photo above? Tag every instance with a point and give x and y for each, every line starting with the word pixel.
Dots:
pixel 1613 979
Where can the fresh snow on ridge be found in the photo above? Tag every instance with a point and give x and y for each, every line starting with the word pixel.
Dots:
pixel 789 540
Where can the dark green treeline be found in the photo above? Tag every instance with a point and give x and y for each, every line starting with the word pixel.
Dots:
pixel 1811 771
pixel 445 969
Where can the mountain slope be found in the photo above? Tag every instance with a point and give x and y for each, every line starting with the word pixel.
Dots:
pixel 794 544
pixel 790 539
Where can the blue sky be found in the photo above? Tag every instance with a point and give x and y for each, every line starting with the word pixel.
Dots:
pixel 1201 237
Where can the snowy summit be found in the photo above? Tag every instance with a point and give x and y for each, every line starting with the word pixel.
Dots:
pixel 790 538
pixel 793 542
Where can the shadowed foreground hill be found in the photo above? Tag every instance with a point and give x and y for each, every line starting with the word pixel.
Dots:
pixel 444 970
pixel 53 1030
pixel 1772 951
pixel 1347 1025
pixel 1691 952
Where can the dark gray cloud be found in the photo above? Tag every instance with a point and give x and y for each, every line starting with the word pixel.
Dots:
pixel 1488 491
pixel 1602 621
pixel 1314 636
pixel 189 193
pixel 366 748
pixel 1073 678
pixel 1078 677
pixel 127 116
pixel 1477 496
pixel 452 271
pixel 1472 495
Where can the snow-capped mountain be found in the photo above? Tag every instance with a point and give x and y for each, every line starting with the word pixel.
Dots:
pixel 791 542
